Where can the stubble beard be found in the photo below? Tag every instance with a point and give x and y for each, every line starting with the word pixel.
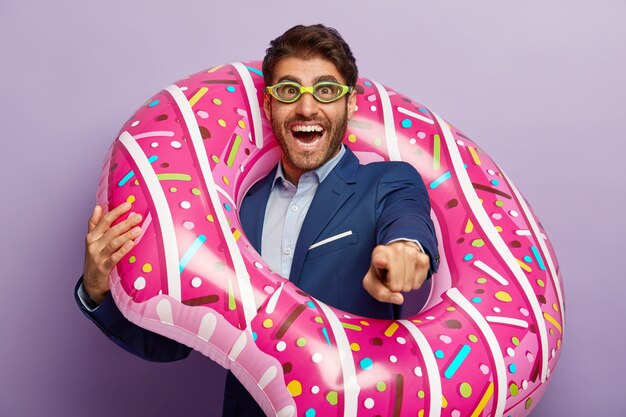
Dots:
pixel 309 161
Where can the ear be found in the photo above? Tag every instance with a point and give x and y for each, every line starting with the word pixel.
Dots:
pixel 351 104
pixel 267 106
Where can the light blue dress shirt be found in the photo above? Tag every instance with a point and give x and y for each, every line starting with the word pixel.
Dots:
pixel 285 212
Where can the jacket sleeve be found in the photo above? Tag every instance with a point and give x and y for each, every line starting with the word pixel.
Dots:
pixel 403 210
pixel 132 338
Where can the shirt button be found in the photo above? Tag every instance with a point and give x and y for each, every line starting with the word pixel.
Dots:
pixel 287 251
pixel 294 208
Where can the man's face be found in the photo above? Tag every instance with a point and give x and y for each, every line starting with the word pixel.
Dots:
pixel 309 132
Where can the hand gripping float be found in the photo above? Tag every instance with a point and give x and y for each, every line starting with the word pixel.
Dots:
pixel 484 344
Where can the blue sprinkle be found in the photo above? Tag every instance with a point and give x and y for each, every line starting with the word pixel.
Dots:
pixel 227 206
pixel 512 368
pixel 366 363
pixel 154 103
pixel 309 413
pixel 153 158
pixel 254 336
pixel 528 258
pixel 441 179
pixel 439 354
pixel 495 182
pixel 254 70
pixel 477 300
pixel 468 257
pixel 310 304
pixel 230 89
pixel 406 123
pixel 367 83
pixel 423 110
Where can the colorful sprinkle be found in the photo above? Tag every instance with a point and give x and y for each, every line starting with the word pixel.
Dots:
pixel 457 361
pixel 503 296
pixel 147 267
pixel 331 397
pixel 439 354
pixel 230 89
pixel 381 386
pixel 295 388
pixel 191 251
pixel 366 363
pixel 465 390
pixel 436 151
pixel 154 103
pixel 468 257
pixel 440 180
pixel 406 123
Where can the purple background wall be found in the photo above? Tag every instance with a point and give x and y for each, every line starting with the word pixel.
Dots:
pixel 538 84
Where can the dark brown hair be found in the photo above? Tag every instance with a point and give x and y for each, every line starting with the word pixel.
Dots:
pixel 310 42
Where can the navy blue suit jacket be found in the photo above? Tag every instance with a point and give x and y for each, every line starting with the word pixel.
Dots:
pixel 375 203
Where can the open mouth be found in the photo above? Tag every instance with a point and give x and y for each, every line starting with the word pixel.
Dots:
pixel 307 136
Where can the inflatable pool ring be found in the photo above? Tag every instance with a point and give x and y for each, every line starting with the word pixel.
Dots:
pixel 483 345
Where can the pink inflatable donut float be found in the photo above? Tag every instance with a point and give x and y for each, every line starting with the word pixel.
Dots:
pixel 484 344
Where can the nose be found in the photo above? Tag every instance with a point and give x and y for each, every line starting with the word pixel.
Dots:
pixel 307 106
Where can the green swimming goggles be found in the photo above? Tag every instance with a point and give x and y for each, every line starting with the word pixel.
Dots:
pixel 323 91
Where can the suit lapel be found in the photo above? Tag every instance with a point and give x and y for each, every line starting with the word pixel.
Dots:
pixel 331 195
pixel 252 214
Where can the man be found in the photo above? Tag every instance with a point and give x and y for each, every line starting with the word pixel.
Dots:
pixel 319 218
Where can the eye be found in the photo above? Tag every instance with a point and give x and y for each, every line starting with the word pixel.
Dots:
pixel 288 91
pixel 327 91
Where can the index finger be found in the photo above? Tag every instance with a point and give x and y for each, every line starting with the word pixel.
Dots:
pixel 106 221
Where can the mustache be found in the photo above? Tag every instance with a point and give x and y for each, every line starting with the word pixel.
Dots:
pixel 300 119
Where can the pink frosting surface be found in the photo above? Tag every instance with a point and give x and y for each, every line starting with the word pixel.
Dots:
pixel 485 343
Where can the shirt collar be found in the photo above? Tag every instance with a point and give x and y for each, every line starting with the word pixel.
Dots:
pixel 321 172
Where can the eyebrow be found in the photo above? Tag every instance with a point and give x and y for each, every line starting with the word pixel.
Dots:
pixel 326 77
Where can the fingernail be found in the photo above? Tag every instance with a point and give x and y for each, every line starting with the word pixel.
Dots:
pixel 126 205
pixel 137 217
pixel 135 231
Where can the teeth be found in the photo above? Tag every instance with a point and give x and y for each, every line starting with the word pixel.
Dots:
pixel 307 128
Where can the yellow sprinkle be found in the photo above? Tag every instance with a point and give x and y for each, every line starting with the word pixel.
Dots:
pixel 524 266
pixel 504 296
pixel 474 155
pixel 364 323
pixel 217 101
pixel 226 180
pixel 553 321
pixel 131 199
pixel 558 344
pixel 241 124
pixel 420 413
pixel 267 323
pixel 136 182
pixel 450 309
pixel 352 138
pixel 444 401
pixel 193 100
pixel 295 388
pixel 210 218
pixel 391 329
pixel 215 68
pixel 132 259
pixel 236 234
pixel 483 401
pixel 555 307
pixel 469 226
pixel 498 229
pixel 355 347
pixel 195 191
pixel 221 122
pixel 147 267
